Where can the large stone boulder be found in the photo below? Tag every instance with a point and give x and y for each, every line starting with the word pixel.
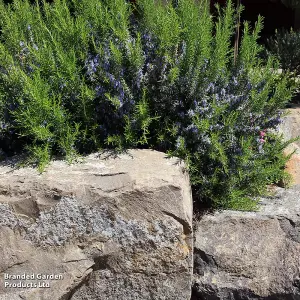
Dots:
pixel 293 164
pixel 107 228
pixel 290 127
pixel 250 255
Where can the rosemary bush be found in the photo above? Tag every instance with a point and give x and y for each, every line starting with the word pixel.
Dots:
pixel 77 76
pixel 285 45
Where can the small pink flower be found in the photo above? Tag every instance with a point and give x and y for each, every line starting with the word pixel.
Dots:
pixel 262 133
pixel 262 140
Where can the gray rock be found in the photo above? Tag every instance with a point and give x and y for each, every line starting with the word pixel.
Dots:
pixel 290 127
pixel 250 255
pixel 106 228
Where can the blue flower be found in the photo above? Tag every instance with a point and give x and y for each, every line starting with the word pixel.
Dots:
pixel 99 90
pixel 30 69
pixel 3 125
pixel 235 82
pixel 249 86
pixel 191 113
pixel 204 103
pixel 91 64
pixel 210 88
pixel 106 65
pixel 122 94
pixel 193 129
pixel 273 122
pixel 111 77
pixel 206 140
pixel 179 142
pixel 139 78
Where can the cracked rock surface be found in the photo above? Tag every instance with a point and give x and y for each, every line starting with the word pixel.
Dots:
pixel 108 228
pixel 250 255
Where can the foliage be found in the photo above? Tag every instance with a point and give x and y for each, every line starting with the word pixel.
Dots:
pixel 291 3
pixel 285 45
pixel 80 75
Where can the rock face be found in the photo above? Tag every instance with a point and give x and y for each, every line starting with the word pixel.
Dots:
pixel 290 128
pixel 108 228
pixel 250 255
pixel 293 164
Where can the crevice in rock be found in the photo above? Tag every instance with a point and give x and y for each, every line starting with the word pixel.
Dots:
pixel 75 260
pixel 291 222
pixel 296 285
pixel 101 263
pixel 208 293
pixel 111 174
pixel 187 230
pixel 16 264
pixel 69 295
pixel 202 261
pixel 291 228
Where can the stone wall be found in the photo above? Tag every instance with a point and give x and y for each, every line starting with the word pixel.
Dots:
pixel 107 228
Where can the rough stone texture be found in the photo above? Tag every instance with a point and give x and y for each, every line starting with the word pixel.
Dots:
pixel 250 255
pixel 290 127
pixel 113 227
pixel 293 165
